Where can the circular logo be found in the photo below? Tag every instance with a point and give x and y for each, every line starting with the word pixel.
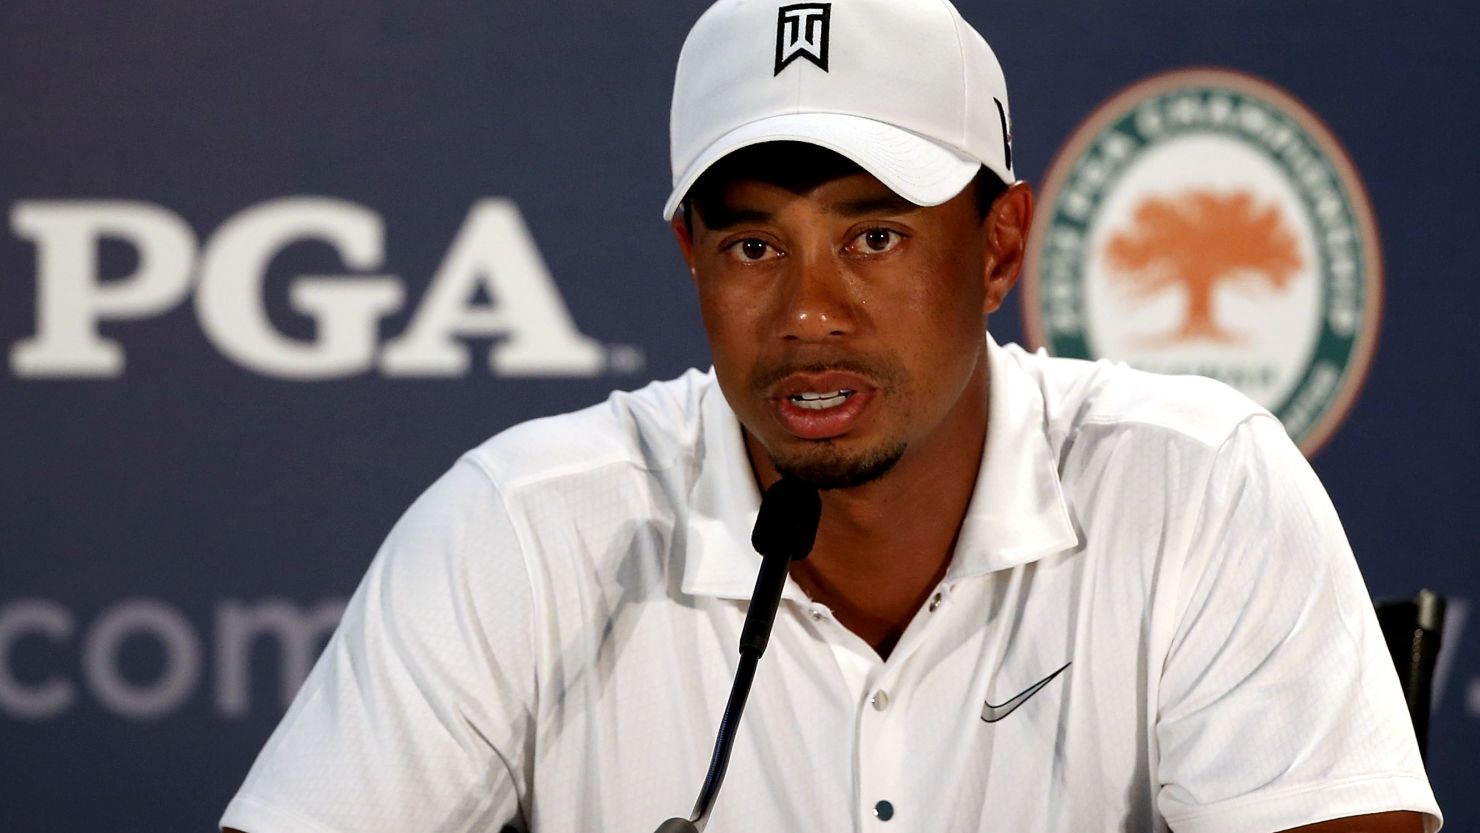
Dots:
pixel 1204 221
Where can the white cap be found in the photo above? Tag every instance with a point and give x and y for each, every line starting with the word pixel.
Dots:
pixel 905 88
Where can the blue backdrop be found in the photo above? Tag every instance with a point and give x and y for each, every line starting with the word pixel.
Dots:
pixel 203 446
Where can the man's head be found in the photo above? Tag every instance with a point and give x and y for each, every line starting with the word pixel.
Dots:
pixel 846 220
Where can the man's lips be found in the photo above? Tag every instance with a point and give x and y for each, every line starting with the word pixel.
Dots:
pixel 821 405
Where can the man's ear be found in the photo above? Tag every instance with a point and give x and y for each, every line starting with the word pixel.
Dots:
pixel 1006 228
pixel 685 235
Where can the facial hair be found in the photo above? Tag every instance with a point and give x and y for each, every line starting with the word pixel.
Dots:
pixel 825 466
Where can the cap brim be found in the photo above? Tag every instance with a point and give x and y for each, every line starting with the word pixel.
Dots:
pixel 918 169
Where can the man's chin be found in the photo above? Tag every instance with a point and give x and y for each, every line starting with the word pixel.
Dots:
pixel 825 466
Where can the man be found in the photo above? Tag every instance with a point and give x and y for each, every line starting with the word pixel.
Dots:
pixel 1045 595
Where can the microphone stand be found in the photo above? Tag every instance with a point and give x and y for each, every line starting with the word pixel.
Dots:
pixel 784 532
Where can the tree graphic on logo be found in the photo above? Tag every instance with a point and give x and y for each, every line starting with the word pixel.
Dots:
pixel 1198 241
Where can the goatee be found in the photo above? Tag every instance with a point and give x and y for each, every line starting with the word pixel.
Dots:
pixel 825 466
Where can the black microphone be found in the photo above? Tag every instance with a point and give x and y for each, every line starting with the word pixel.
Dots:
pixel 784 532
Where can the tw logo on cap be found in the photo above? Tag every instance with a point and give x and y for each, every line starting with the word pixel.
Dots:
pixel 801 32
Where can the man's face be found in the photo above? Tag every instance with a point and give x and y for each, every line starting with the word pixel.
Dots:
pixel 846 324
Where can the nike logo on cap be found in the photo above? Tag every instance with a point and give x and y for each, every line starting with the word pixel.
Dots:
pixel 992 714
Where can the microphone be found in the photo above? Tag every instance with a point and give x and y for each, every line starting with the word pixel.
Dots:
pixel 784 532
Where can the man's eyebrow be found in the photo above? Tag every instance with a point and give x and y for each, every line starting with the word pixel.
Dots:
pixel 882 204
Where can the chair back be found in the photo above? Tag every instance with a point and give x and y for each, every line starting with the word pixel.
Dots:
pixel 1413 628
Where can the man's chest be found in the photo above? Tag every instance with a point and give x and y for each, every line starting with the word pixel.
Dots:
pixel 1013 701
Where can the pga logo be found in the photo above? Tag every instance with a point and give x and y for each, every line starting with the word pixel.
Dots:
pixel 493 253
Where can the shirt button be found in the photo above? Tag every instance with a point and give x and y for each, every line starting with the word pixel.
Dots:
pixel 817 615
pixel 880 701
pixel 884 811
pixel 935 601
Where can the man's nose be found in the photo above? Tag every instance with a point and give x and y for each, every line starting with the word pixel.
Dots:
pixel 820 300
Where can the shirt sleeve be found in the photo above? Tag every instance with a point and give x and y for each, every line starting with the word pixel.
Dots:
pixel 1278 703
pixel 418 714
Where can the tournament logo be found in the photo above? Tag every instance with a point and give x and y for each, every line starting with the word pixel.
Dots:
pixel 1204 221
pixel 802 32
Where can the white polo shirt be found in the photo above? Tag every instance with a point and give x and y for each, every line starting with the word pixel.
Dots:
pixel 548 636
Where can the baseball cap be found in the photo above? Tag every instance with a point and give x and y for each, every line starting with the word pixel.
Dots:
pixel 907 89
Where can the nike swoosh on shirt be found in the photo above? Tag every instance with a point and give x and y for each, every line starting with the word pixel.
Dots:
pixel 992 714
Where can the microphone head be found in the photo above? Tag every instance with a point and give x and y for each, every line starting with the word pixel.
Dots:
pixel 787 523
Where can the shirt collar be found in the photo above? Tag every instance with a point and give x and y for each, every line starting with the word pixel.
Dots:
pixel 1017 511
pixel 723 505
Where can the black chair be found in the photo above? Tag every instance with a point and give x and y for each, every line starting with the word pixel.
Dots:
pixel 1413 629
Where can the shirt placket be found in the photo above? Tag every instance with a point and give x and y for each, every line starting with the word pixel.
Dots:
pixel 880 689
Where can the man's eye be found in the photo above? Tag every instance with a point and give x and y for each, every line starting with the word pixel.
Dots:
pixel 751 250
pixel 877 240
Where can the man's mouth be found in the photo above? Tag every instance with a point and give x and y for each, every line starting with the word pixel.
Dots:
pixel 821 401
pixel 821 405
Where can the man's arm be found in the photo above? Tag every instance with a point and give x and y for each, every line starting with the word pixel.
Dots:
pixel 418 714
pixel 1374 823
pixel 1277 701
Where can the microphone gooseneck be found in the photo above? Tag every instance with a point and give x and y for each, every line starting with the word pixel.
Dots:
pixel 784 532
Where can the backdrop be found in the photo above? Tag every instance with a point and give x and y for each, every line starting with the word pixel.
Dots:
pixel 270 267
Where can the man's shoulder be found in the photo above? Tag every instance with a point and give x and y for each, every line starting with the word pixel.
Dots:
pixel 646 430
pixel 1104 396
